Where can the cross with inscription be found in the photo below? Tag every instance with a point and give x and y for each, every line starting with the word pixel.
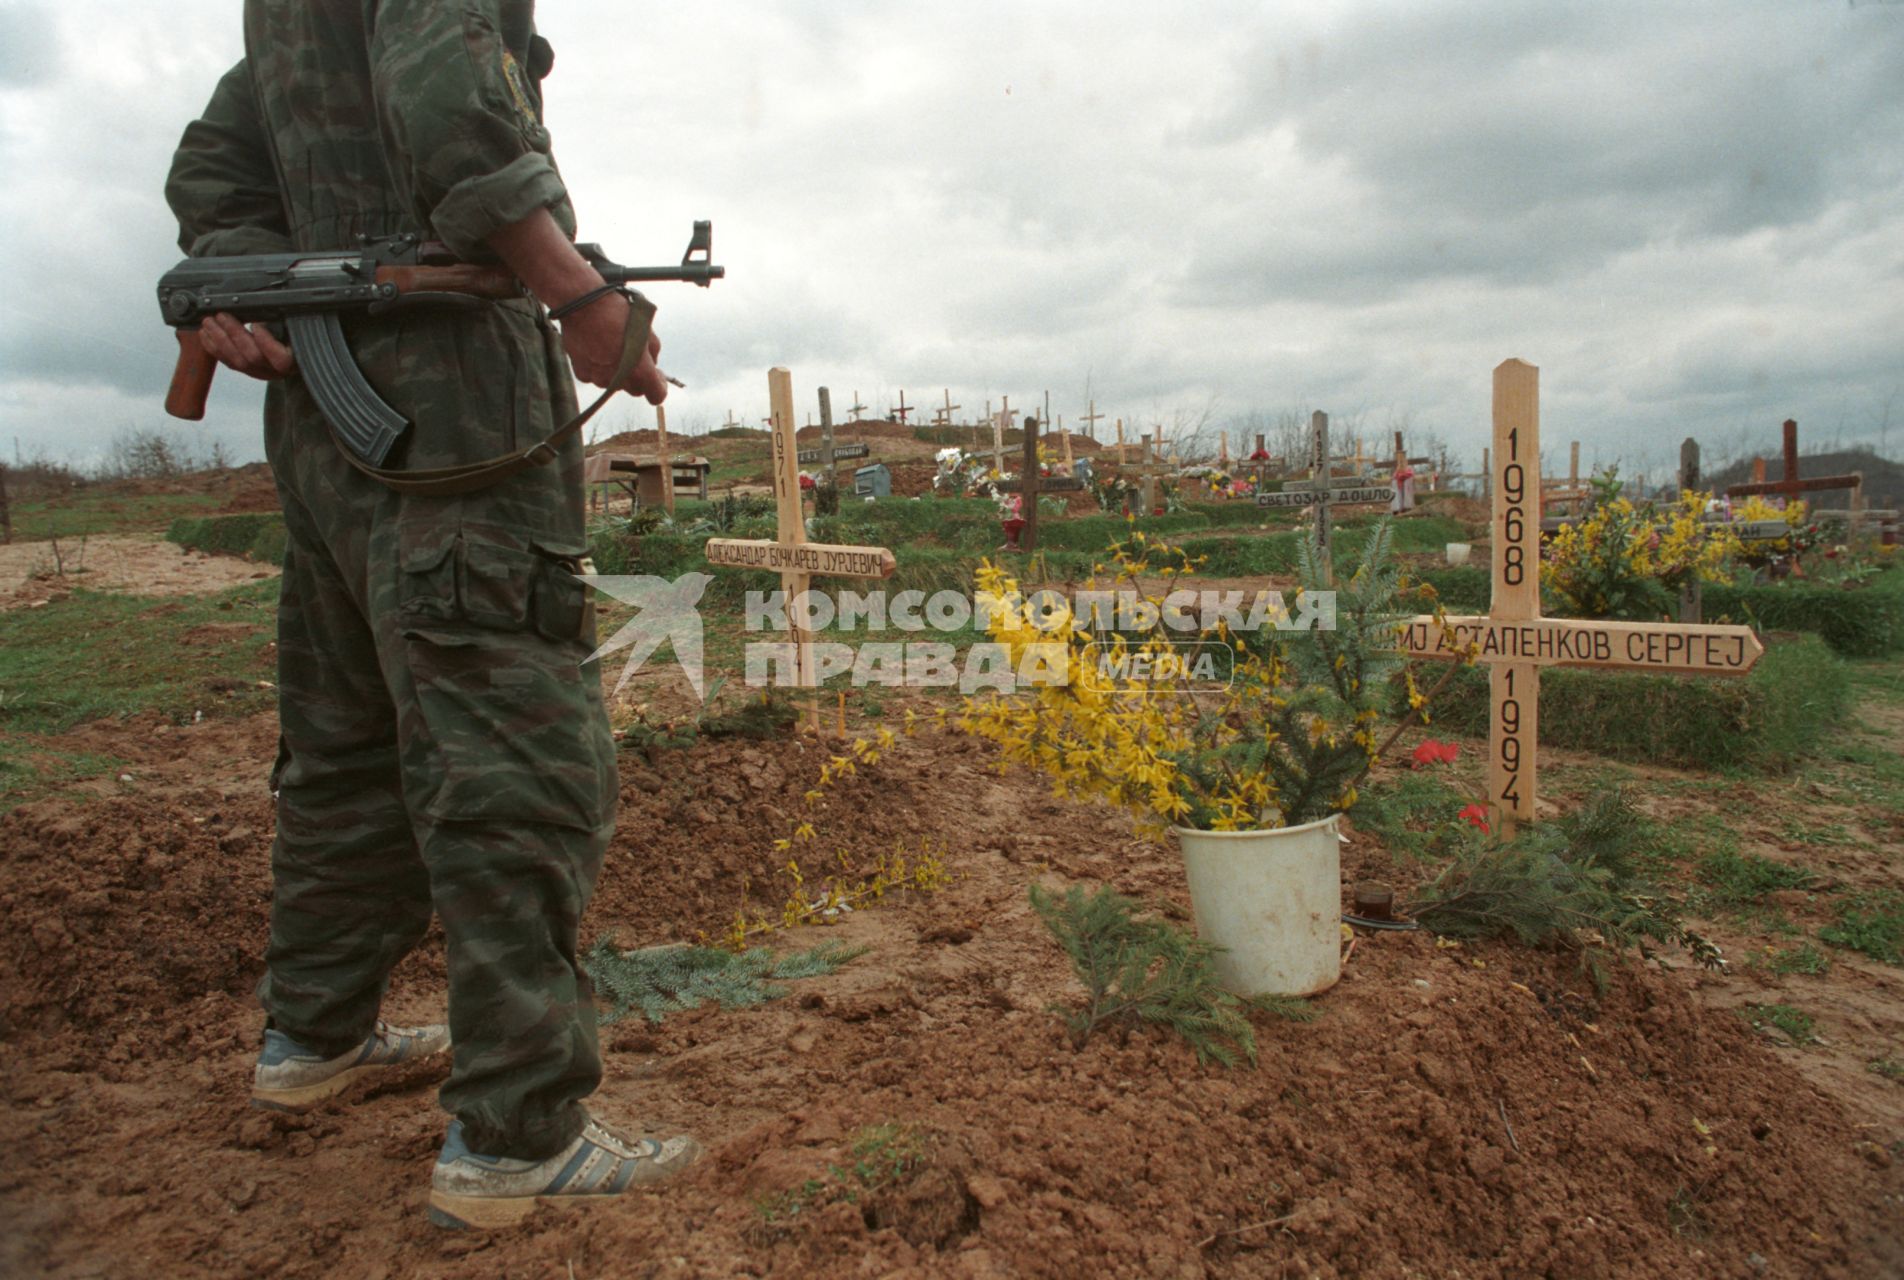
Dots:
pixel 1516 642
pixel 791 555
pixel 829 455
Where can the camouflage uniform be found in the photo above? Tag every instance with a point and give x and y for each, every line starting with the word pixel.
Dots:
pixel 442 747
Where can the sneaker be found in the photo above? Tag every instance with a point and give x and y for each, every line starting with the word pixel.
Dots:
pixel 468 1190
pixel 292 1078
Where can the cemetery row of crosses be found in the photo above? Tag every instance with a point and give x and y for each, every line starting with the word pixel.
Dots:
pixel 1761 524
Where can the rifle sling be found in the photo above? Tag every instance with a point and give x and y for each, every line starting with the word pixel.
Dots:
pixel 469 477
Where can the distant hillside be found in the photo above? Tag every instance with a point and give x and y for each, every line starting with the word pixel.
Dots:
pixel 1883 479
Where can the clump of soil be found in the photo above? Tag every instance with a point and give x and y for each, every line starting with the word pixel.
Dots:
pixel 1474 1111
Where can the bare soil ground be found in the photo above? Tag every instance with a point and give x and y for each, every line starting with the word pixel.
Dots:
pixel 136 564
pixel 1479 1110
pixel 1454 1110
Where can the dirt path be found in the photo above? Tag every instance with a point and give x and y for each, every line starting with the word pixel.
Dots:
pixel 138 564
pixel 1453 1111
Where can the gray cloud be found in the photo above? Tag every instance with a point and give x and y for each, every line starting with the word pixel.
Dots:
pixel 1688 215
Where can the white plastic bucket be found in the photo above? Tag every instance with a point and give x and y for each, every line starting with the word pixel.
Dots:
pixel 1273 901
pixel 1458 552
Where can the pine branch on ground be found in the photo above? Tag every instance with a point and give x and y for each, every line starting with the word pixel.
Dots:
pixel 1571 883
pixel 1138 970
pixel 657 981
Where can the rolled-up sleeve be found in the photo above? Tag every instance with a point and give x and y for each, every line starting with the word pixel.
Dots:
pixel 223 188
pixel 460 119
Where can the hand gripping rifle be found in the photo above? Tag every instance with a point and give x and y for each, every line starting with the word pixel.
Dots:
pixel 309 292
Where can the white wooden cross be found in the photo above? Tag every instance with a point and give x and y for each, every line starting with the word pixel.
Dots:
pixel 998 435
pixel 790 554
pixel 1516 642
pixel 732 421
pixel 857 408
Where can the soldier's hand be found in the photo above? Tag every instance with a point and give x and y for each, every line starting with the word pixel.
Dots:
pixel 593 338
pixel 250 349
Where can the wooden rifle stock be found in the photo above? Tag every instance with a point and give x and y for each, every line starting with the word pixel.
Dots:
pixel 192 375
pixel 191 378
pixel 463 277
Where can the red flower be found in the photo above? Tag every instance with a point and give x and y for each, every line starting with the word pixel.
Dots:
pixel 1432 752
pixel 806 481
pixel 1477 814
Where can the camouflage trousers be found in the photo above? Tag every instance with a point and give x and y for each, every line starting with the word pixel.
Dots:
pixel 443 750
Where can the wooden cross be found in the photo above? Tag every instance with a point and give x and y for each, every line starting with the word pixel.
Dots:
pixel 1792 485
pixel 1091 419
pixel 998 434
pixel 1028 486
pixel 1120 442
pixel 944 415
pixel 901 412
pixel 857 408
pixel 1323 490
pixel 1223 449
pixel 829 455
pixel 1516 642
pixel 1065 436
pixel 1691 604
pixel 732 421
pixel 1148 471
pixel 666 458
pixel 796 559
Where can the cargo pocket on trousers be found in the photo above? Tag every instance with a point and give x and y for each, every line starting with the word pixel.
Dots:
pixel 503 722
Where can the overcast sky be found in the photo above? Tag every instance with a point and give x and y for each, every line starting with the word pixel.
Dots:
pixel 1690 215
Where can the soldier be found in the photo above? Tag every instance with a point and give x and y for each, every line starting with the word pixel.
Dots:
pixel 441 748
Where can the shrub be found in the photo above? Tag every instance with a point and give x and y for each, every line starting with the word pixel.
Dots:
pixel 257 536
pixel 1863 623
pixel 1768 719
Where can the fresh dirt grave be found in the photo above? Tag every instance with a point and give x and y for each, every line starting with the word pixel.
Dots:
pixel 1470 1110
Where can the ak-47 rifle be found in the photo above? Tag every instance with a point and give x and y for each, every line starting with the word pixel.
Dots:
pixel 308 292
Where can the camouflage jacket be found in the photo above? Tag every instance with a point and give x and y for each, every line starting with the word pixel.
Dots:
pixel 351 119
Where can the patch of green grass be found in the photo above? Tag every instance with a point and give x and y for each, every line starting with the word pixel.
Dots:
pixel 89 511
pixel 1802 959
pixel 1799 830
pixel 99 656
pixel 878 1156
pixel 1739 878
pixel 1685 838
pixel 94 655
pixel 1872 923
pixel 1793 1023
